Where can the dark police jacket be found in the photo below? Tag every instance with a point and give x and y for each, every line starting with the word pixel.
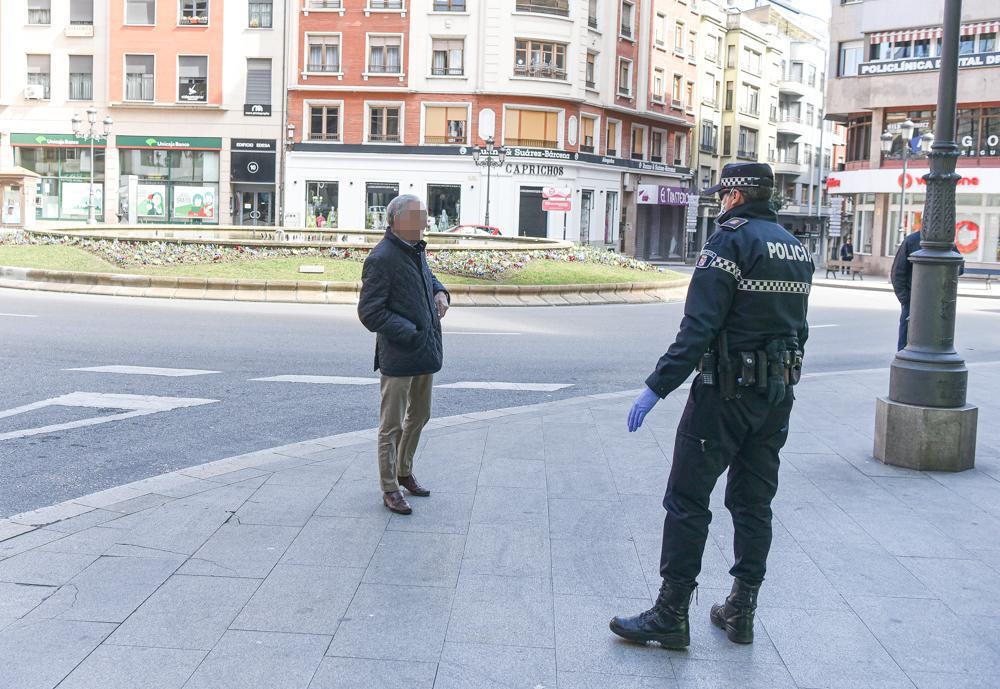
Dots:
pixel 397 303
pixel 752 279
pixel 902 270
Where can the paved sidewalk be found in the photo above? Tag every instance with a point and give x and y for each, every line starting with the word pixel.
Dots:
pixel 967 287
pixel 281 569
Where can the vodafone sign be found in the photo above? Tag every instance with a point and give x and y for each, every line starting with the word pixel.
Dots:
pixel 973 180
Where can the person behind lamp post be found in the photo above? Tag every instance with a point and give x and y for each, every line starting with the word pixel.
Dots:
pixel 846 254
pixel 744 327
pixel 403 303
pixel 902 278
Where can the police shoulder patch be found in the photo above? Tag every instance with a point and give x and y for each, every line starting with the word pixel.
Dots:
pixel 705 259
pixel 734 223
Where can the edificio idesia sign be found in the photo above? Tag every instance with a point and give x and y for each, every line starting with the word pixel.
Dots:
pixel 926 64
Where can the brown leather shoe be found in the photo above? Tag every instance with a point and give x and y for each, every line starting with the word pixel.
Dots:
pixel 396 502
pixel 411 485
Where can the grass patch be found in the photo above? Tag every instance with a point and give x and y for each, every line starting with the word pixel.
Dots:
pixel 538 272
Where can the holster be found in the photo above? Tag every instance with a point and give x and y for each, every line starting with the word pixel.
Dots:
pixel 780 359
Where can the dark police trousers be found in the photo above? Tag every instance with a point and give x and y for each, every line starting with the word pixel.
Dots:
pixel 745 435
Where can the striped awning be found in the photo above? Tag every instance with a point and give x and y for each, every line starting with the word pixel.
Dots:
pixel 970 29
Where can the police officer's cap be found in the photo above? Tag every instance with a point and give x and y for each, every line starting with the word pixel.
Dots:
pixel 743 175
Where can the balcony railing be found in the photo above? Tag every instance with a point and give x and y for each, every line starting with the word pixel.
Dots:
pixel 193 20
pixel 587 148
pixel 626 30
pixel 446 139
pixel 591 84
pixel 384 138
pixel 676 103
pixel 710 148
pixel 656 158
pixel 795 119
pixel 540 71
pixel 637 155
pixel 592 22
pixel 385 4
pixel 746 155
pixel 530 143
pixel 558 7
pixel 385 69
pixel 325 4
pixel 789 158
pixel 613 152
pixel 749 113
pixel 323 67
pixel 624 92
pixel 447 71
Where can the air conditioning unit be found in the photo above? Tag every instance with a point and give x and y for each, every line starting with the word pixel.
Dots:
pixel 34 92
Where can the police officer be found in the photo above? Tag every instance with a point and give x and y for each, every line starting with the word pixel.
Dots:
pixel 744 327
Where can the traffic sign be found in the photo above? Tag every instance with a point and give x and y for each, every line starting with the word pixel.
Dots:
pixel 557 204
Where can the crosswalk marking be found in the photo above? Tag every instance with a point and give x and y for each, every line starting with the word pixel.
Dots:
pixel 144 371
pixel 17 315
pixel 469 332
pixel 319 380
pixel 532 387
pixel 131 406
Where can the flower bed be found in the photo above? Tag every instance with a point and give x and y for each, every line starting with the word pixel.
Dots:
pixel 486 265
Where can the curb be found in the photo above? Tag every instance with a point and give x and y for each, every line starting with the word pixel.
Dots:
pixel 886 287
pixel 321 292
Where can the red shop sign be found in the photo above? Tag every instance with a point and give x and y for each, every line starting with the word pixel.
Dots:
pixel 967 236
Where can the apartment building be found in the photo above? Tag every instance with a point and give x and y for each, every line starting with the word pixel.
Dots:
pixel 194 89
pixel 884 67
pixel 391 97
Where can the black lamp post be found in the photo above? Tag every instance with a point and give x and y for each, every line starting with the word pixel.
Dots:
pixel 925 422
pixel 488 156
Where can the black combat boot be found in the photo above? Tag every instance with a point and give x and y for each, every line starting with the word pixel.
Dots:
pixel 736 614
pixel 666 622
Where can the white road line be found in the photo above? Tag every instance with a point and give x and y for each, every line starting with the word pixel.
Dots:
pixel 826 325
pixel 319 380
pixel 144 371
pixel 17 315
pixel 532 387
pixel 133 406
pixel 467 332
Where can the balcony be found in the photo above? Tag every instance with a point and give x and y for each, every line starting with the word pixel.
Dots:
pixel 624 92
pixel 793 86
pixel 711 148
pixel 530 143
pixel 676 103
pixel 378 138
pixel 747 112
pixel 626 31
pixel 385 69
pixel 324 5
pixel 792 125
pixel 385 4
pixel 746 154
pixel 457 140
pixel 331 68
pixel 447 71
pixel 557 7
pixel 540 72
pixel 590 84
pixel 788 162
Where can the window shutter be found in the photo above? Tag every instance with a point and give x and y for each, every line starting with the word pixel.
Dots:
pixel 258 82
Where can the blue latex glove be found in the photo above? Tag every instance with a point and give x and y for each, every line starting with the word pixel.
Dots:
pixel 642 406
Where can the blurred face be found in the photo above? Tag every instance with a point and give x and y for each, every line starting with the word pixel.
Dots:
pixel 410 222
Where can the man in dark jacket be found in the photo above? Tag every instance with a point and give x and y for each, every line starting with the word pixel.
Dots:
pixel 846 254
pixel 902 277
pixel 403 303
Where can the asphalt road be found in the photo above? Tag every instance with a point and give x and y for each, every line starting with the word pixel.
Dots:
pixel 592 349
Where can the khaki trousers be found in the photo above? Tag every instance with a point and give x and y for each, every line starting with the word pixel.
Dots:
pixel 404 411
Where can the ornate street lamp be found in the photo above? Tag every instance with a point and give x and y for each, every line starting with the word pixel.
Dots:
pixel 91 132
pixel 489 157
pixel 925 422
pixel 906 132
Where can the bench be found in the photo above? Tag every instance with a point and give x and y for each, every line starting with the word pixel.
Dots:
pixel 853 268
pixel 988 274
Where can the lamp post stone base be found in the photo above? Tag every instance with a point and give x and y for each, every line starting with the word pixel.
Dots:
pixel 925 438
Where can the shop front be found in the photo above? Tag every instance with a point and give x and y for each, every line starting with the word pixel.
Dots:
pixel 176 180
pixel 661 222
pixel 63 165
pixel 877 216
pixel 252 174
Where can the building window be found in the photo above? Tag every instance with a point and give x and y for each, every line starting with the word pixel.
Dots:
pixel 656 146
pixel 81 77
pixel 851 55
pixel 588 125
pixel 680 149
pixel 538 59
pixel 677 92
pixel 658 82
pixel 377 197
pixel 531 128
pixel 811 115
pixel 184 184
pixel 709 137
pixel 447 57
pixel 692 44
pixel 64 185
pixel 611 139
pixel 624 77
pixel 322 200
pixel 752 61
pixel 592 14
pixel 729 96
pixel 591 70
pixel 559 7
pixel 193 13
pixel 140 12
pixel 445 125
pixel 324 122
pixel 385 4
pixel 39 11
pixel 139 78
pixel 966 46
pixel 258 81
pixel 384 54
pixel 628 19
pixel 324 54
pixel 689 95
pixel 987 42
pixel 261 14
pixel 751 106
pixel 39 73
pixel 444 202
pixel 659 28
pixel 192 78
pixel 449 5
pixel 325 4
pixel 731 56
pixel 747 147
pixel 638 143
pixel 679 38
pixel 81 12
pixel 727 140
pixel 383 123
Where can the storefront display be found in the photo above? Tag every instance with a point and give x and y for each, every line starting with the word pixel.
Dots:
pixel 444 202
pixel 152 201
pixel 63 163
pixel 377 196
pixel 75 203
pixel 321 204
pixel 178 177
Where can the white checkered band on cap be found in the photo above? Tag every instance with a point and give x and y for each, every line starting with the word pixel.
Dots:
pixel 729 182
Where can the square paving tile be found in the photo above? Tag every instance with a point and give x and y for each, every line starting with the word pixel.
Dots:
pixel 440 513
pixel 17 600
pixel 336 542
pixel 713 674
pixel 416 559
pixel 597 568
pixel 43 568
pixel 587 519
pixel 508 551
pixel 593 680
pixel 513 611
pixel 364 673
pixel 505 472
pixel 132 667
pixel 186 612
pixel 41 653
pixel 510 507
pixel 260 660
pixel 965 586
pixel 300 599
pixel 394 623
pixel 241 550
pixel 281 505
pixel 479 666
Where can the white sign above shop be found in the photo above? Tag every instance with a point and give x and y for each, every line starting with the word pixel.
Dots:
pixel 979 180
